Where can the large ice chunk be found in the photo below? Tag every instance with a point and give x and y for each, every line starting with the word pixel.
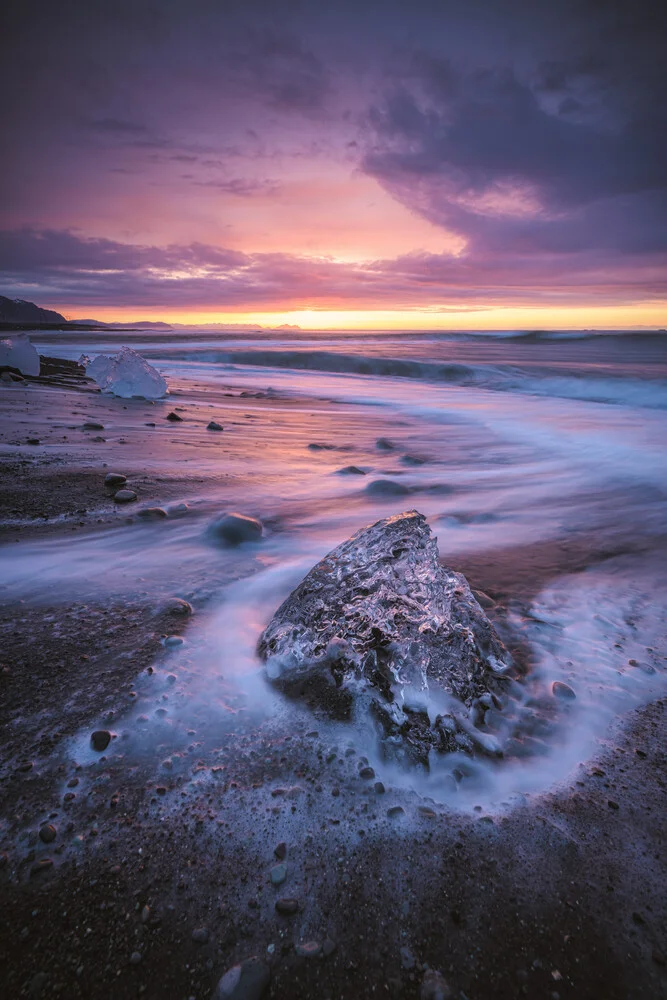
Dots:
pixel 18 352
pixel 127 374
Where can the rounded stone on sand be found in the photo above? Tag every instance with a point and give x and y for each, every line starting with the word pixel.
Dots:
pixel 178 606
pixel 234 529
pixel 174 417
pixel 287 907
pixel 247 981
pixel 386 488
pixel 562 691
pixel 48 833
pixel 114 479
pixel 100 739
pixel 213 425
pixel 200 935
pixel 151 513
pixel 125 496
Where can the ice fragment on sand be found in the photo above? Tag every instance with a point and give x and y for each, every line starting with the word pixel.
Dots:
pixel 18 352
pixel 379 627
pixel 127 374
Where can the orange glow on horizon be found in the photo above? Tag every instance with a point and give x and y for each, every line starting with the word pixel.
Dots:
pixel 637 315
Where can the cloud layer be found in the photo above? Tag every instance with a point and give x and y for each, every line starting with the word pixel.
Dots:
pixel 158 151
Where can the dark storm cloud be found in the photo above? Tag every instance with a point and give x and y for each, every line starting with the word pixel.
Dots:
pixel 537 131
pixel 62 268
pixel 554 155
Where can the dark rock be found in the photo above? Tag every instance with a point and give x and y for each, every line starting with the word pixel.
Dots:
pixel 395 811
pixel 386 488
pixel 350 470
pixel 213 426
pixel 48 833
pixel 367 773
pixel 200 935
pixel 151 513
pixel 384 444
pixel 177 606
pixel 33 440
pixel 280 850
pixel 174 417
pixel 125 496
pixel 100 739
pixel 316 446
pixel 379 787
pixel 287 907
pixel 233 529
pixel 379 607
pixel 92 425
pixel 412 460
pixel 42 866
pixel 114 479
pixel 562 691
pixel 247 981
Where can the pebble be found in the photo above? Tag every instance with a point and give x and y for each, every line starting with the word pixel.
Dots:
pixel 350 470
pixel 41 866
pixel 48 833
pixel 125 496
pixel 177 606
pixel 367 773
pixel 434 986
pixel 384 444
pixel 213 426
pixel 114 479
pixel 145 914
pixel 233 529
pixel 92 425
pixel 178 509
pixel 328 947
pixel 33 440
pixel 379 787
pixel 309 949
pixel 563 691
pixel 278 874
pixel 200 935
pixel 247 981
pixel 394 811
pixel 100 739
pixel 174 640
pixel 386 488
pixel 288 907
pixel 612 804
pixel 174 417
pixel 152 513
pixel 280 850
pixel 135 958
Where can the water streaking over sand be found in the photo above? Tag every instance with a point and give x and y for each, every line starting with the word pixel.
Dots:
pixel 539 462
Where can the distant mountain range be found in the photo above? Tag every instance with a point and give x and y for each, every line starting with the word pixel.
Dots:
pixel 20 311
pixel 23 313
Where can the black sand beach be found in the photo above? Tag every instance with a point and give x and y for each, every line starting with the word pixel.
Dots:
pixel 146 869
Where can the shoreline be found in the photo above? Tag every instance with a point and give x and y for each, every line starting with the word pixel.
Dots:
pixel 557 896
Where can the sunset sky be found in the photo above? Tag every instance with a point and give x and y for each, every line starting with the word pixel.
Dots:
pixel 463 163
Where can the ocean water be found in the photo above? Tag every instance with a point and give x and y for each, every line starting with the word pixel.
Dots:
pixel 518 449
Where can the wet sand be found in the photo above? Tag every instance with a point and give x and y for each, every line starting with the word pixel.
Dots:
pixel 561 895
